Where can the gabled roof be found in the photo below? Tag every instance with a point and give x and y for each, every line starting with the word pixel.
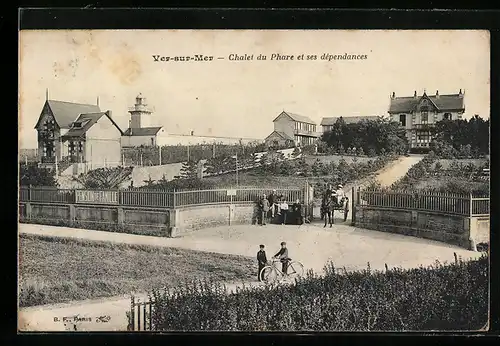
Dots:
pixel 143 131
pixel 87 121
pixel 65 113
pixel 297 118
pixel 443 103
pixel 348 120
pixel 281 134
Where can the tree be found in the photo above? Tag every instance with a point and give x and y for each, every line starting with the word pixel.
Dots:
pixel 105 178
pixel 189 170
pixel 32 175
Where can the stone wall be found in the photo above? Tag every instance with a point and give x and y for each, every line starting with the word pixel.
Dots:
pixel 167 222
pixel 452 229
pixel 192 218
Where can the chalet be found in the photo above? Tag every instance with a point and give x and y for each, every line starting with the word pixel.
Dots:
pixel 292 129
pixel 93 141
pixel 74 132
pixel 327 123
pixel 418 114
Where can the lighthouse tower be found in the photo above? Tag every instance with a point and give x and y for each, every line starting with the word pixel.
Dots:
pixel 140 114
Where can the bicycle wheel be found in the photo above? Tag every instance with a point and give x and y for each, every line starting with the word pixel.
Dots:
pixel 295 269
pixel 268 274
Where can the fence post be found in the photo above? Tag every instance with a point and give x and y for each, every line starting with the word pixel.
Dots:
pixel 353 207
pixel 132 314
pixel 174 199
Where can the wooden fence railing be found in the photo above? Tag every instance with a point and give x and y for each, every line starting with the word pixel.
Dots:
pixel 140 315
pixel 468 205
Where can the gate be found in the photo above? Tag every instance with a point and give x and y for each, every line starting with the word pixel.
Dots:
pixel 139 318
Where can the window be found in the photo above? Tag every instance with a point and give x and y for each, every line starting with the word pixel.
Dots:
pixel 423 137
pixel 447 116
pixel 402 120
pixel 275 143
pixel 425 117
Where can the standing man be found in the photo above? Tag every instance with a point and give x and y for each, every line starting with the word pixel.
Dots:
pixel 284 211
pixel 262 260
pixel 328 209
pixel 283 256
pixel 264 209
pixel 272 203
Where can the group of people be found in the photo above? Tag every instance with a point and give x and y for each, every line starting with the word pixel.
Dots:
pixel 331 200
pixel 282 255
pixel 274 207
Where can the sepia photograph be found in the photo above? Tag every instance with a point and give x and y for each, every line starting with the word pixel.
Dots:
pixel 254 180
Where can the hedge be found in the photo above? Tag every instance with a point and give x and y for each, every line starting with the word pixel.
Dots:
pixel 439 297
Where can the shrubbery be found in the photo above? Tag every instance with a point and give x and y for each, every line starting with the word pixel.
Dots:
pixel 31 174
pixel 105 178
pixel 461 138
pixel 370 136
pixel 441 297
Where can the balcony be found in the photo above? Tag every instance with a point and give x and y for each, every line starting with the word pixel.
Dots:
pixel 423 126
pixel 299 132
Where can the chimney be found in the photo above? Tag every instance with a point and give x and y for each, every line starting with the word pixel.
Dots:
pixel 460 94
pixel 415 94
pixel 393 95
pixel 192 133
pixel 437 94
pixel 97 101
pixel 109 113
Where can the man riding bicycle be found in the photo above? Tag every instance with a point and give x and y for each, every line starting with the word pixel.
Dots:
pixel 283 257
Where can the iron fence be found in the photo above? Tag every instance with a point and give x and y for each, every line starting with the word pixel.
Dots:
pixel 157 198
pixel 147 198
pixel 47 195
pixel 439 202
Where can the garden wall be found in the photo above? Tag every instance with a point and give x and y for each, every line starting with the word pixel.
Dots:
pixel 147 221
pixel 448 228
pixel 192 218
pixel 137 220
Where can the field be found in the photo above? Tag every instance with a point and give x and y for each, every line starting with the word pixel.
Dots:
pixel 447 162
pixel 55 270
pixel 250 178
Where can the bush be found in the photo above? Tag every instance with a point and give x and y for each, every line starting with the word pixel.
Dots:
pixel 31 174
pixel 441 297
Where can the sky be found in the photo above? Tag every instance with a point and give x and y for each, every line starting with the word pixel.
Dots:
pixel 241 98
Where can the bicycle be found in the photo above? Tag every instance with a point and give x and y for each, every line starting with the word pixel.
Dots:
pixel 271 272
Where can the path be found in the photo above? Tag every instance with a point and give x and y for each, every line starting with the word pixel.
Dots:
pixel 397 169
pixel 346 246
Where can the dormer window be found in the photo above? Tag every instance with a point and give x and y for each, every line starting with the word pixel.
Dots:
pixel 77 124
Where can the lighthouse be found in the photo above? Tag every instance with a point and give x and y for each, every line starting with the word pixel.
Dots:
pixel 140 114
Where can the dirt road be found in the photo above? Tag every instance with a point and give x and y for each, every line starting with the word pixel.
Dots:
pixel 346 246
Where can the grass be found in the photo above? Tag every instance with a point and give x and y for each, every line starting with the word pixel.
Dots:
pixel 441 182
pixel 57 270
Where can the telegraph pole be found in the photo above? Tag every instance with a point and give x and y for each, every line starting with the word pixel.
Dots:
pixel 236 169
